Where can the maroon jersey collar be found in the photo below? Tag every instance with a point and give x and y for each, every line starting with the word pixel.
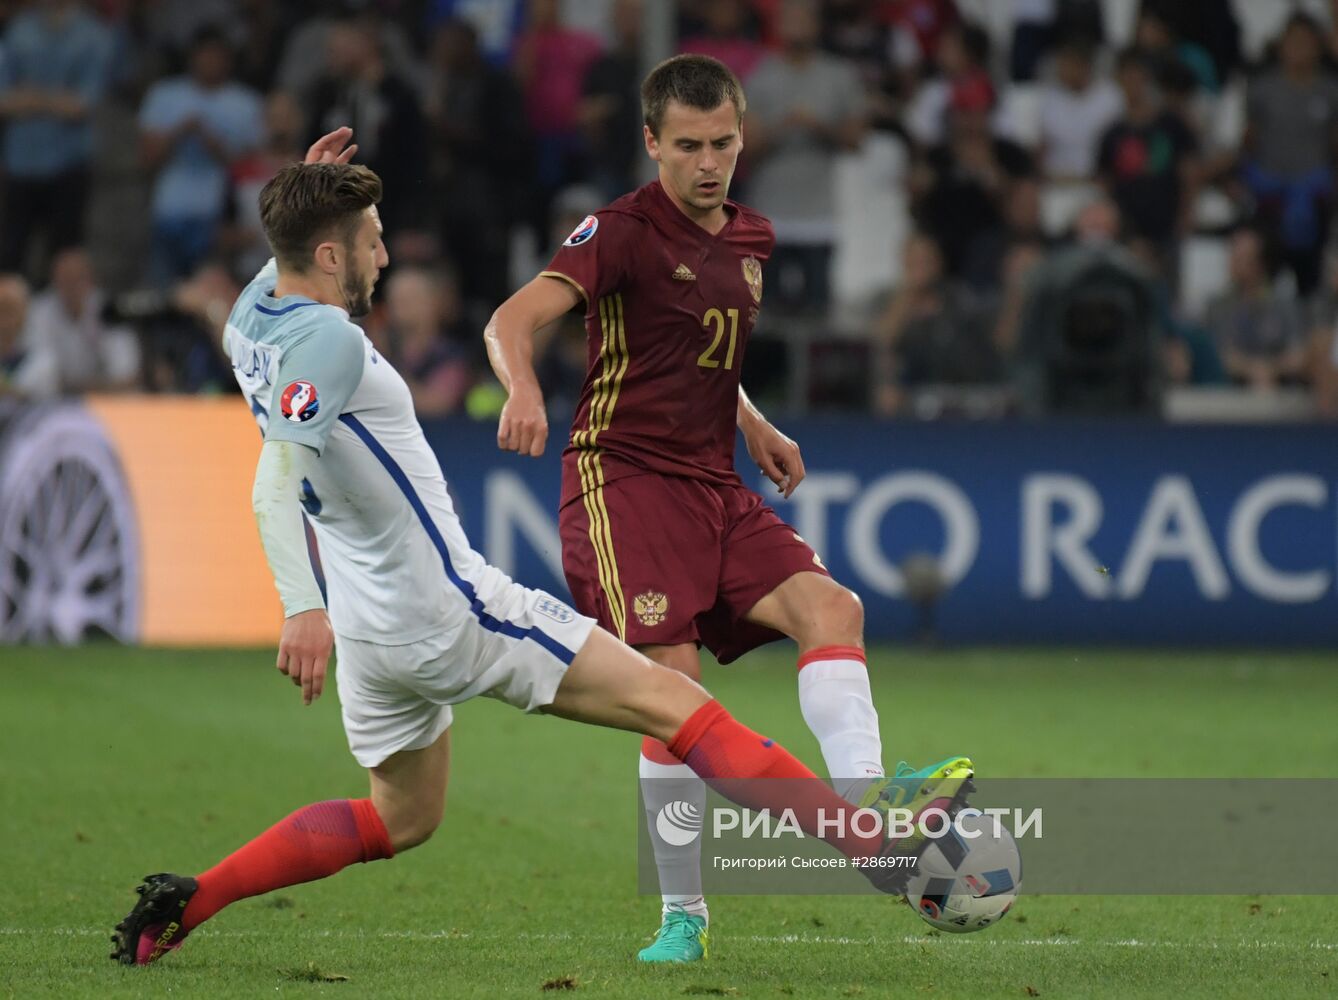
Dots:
pixel 669 210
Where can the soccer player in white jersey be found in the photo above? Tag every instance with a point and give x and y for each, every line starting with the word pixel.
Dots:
pixel 419 619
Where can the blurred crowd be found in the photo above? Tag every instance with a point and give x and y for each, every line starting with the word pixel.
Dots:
pixel 981 206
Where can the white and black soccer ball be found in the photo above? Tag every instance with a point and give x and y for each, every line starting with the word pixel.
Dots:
pixel 968 877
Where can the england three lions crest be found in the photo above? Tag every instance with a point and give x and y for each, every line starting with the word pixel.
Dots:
pixel 650 607
pixel 752 273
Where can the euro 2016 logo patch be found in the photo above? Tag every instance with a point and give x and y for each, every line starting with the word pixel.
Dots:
pixel 582 233
pixel 650 607
pixel 298 402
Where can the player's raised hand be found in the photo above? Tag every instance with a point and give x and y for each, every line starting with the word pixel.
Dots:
pixel 304 651
pixel 329 148
pixel 776 455
pixel 523 426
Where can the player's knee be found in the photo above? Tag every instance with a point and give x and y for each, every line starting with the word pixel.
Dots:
pixel 411 828
pixel 663 704
pixel 842 616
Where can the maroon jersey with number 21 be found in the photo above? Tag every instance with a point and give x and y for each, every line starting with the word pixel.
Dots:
pixel 669 308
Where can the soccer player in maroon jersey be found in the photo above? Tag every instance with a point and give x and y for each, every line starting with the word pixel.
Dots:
pixel 661 541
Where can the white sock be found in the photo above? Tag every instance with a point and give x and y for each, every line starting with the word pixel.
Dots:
pixel 837 704
pixel 680 867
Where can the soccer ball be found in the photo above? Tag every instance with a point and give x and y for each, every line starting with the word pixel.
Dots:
pixel 963 882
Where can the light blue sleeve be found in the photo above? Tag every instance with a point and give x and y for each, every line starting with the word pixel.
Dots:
pixel 317 375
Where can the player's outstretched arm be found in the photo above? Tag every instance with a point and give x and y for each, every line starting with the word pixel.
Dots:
pixel 509 337
pixel 775 454
pixel 307 639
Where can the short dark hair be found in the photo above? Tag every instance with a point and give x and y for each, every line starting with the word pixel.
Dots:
pixel 304 203
pixel 975 43
pixel 695 81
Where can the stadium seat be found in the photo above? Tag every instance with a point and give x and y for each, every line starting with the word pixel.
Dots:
pixel 1120 17
pixel 1226 123
pixel 1019 114
pixel 1261 21
pixel 1203 272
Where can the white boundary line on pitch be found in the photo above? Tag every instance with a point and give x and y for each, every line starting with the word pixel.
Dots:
pixel 947 940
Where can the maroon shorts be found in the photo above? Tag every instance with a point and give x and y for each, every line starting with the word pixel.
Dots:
pixel 665 560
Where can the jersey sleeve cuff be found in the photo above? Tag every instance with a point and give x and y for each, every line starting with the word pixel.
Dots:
pixel 569 280
pixel 300 604
pixel 283 432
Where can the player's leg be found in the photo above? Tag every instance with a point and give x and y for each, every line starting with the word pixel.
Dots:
pixel 826 621
pixel 648 588
pixel 610 684
pixel 684 917
pixel 402 740
pixel 773 582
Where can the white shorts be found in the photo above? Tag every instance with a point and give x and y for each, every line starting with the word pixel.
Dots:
pixel 399 697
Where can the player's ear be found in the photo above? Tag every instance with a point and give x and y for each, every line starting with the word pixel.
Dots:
pixel 652 143
pixel 327 257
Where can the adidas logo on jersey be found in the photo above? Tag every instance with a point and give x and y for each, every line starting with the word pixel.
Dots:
pixel 681 273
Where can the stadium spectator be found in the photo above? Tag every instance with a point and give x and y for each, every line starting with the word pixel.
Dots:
pixel 962 83
pixel 481 160
pixel 932 332
pixel 1015 276
pixel 1037 24
pixel 170 27
pixel 804 107
pixel 1321 309
pixel 193 129
pixel 1077 106
pixel 72 348
pixel 861 33
pixel 1148 160
pixel 1209 25
pixel 1258 332
pixel 284 143
pixel 917 29
pixel 201 304
pixel 1018 222
pixel 610 108
pixel 362 90
pixel 551 64
pixel 54 69
pixel 726 36
pixel 960 189
pixel 496 24
pixel 1290 141
pixel 1155 39
pixel 426 341
pixel 305 59
pixel 15 359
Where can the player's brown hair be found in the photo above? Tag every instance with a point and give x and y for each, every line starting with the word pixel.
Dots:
pixel 305 204
pixel 695 81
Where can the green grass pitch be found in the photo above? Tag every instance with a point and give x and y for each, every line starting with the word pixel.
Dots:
pixel 118 762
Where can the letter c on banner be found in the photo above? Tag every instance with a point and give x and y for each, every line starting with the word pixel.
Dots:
pixel 1247 558
pixel 961 528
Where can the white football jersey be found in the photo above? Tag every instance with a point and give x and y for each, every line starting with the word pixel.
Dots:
pixel 398 567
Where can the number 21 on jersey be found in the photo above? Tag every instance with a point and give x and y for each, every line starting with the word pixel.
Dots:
pixel 715 319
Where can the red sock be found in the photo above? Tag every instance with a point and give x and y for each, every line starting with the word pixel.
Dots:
pixel 727 755
pixel 314 842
